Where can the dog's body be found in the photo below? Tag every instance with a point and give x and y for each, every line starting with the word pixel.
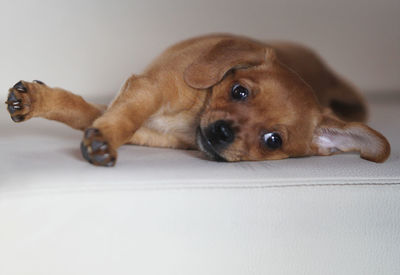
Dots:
pixel 232 97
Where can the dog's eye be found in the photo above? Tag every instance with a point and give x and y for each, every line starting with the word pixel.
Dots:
pixel 272 140
pixel 239 92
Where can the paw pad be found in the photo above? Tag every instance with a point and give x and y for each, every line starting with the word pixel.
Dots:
pixel 18 102
pixel 96 150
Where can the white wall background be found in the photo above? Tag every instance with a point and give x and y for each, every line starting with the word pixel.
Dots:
pixel 91 46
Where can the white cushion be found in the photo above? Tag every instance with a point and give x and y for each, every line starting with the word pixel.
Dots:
pixel 162 211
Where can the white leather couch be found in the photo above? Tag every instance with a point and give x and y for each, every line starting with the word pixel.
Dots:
pixel 162 211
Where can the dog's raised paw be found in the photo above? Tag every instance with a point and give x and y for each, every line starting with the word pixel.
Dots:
pixel 19 102
pixel 96 150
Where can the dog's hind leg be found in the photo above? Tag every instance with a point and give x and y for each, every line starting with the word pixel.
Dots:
pixel 347 102
pixel 35 99
pixel 138 100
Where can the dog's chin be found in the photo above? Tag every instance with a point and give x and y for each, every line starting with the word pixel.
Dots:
pixel 206 147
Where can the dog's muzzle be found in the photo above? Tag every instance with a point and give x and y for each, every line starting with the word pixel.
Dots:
pixel 215 138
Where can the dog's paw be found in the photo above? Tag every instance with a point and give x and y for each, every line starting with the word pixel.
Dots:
pixel 20 100
pixel 96 150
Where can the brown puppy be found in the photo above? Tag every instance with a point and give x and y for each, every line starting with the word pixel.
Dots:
pixel 231 97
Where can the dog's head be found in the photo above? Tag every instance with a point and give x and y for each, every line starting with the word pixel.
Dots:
pixel 259 109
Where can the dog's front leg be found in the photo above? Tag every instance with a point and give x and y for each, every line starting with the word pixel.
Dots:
pixel 138 100
pixel 35 99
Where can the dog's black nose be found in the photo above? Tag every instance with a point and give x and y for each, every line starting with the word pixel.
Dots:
pixel 220 133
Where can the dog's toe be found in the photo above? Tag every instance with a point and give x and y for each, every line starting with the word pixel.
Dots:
pixel 20 87
pixel 18 118
pixel 39 82
pixel 14 104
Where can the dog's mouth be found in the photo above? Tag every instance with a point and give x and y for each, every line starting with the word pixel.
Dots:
pixel 205 146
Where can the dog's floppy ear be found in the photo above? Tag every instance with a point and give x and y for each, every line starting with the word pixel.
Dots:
pixel 226 55
pixel 334 136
